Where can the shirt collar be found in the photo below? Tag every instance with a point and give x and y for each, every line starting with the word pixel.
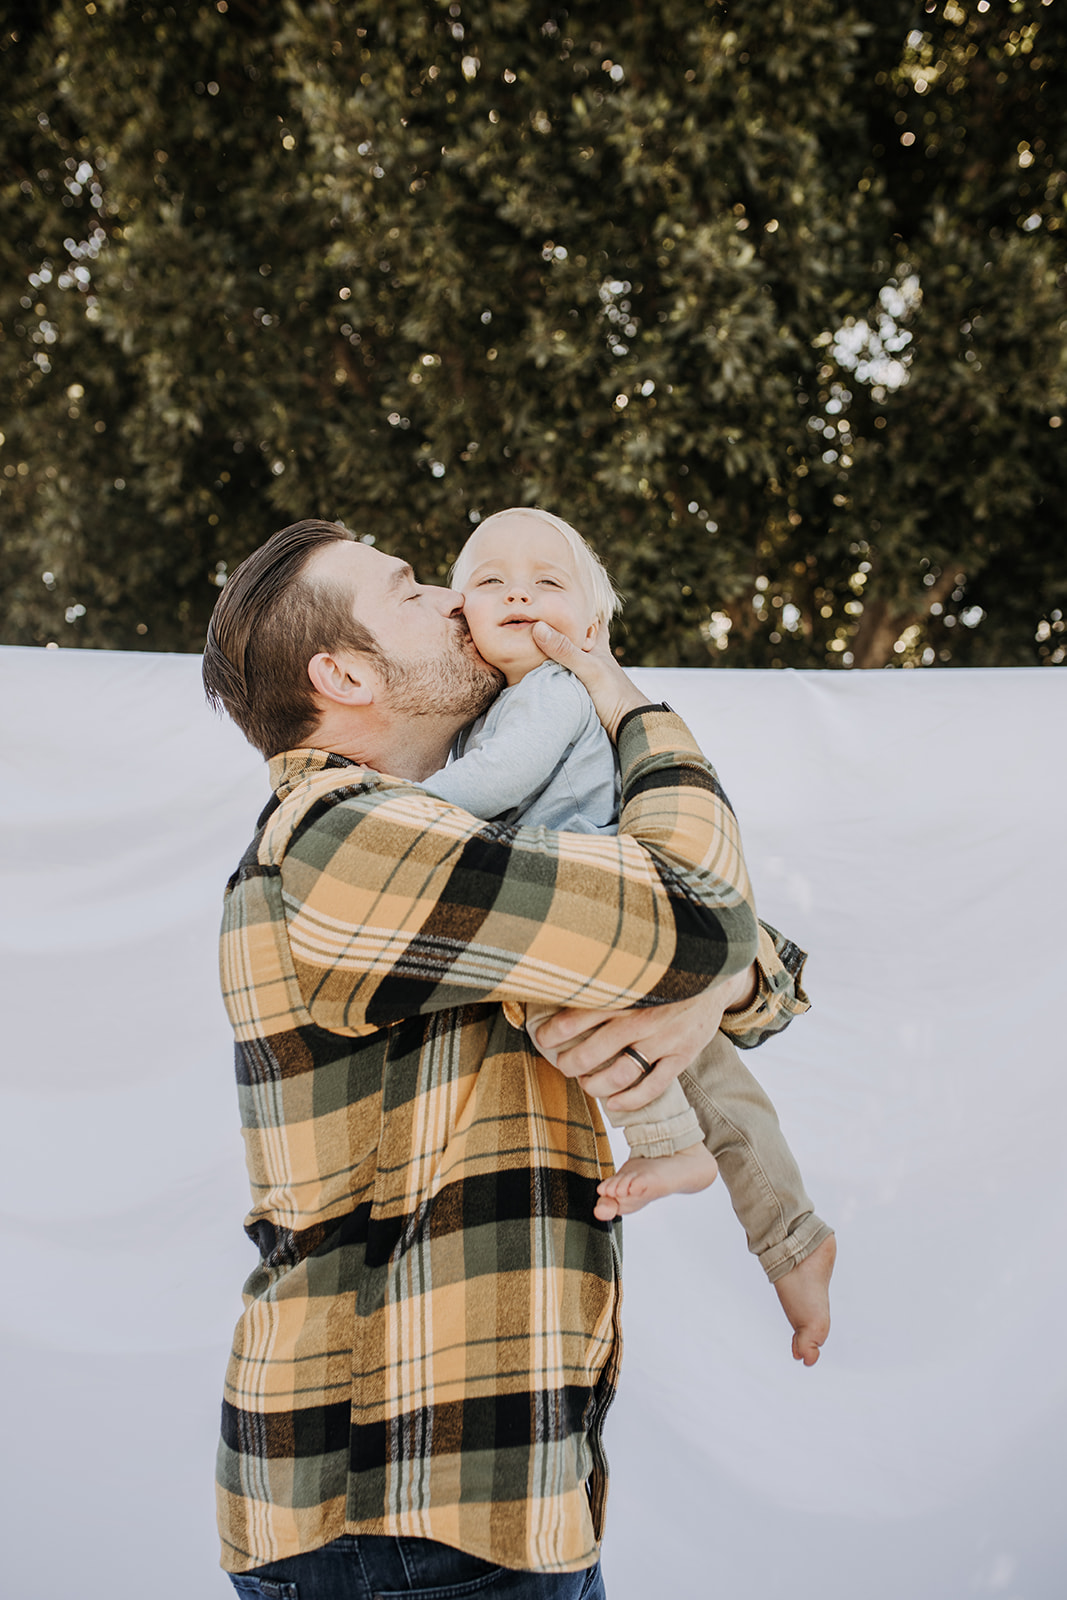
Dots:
pixel 286 770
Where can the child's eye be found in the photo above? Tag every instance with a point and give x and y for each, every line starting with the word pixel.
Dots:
pixel 552 582
pixel 484 582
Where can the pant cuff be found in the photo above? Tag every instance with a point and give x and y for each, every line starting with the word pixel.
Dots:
pixel 667 1137
pixel 805 1238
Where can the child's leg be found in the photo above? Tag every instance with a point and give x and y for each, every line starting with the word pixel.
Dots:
pixel 795 1248
pixel 668 1154
pixel 804 1294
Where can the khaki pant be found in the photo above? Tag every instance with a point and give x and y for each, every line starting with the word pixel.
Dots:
pixel 718 1102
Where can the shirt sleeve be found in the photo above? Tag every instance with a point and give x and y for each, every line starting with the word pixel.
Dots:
pixel 779 996
pixel 398 904
pixel 507 766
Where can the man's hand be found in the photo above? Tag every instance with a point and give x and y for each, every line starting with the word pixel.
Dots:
pixel 610 690
pixel 671 1036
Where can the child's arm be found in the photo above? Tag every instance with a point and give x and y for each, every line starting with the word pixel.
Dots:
pixel 516 753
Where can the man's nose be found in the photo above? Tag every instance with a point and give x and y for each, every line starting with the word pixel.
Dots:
pixel 447 601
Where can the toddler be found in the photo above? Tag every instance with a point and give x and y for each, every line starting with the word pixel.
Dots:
pixel 540 756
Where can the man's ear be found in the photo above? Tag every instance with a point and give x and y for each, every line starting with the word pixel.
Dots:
pixel 591 635
pixel 344 679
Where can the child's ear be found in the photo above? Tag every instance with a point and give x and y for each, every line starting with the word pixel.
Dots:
pixel 591 635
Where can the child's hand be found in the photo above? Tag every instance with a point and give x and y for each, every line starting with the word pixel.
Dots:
pixel 609 688
pixel 588 1045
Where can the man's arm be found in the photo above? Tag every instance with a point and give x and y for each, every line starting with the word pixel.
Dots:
pixel 398 904
pixel 778 997
pixel 748 1007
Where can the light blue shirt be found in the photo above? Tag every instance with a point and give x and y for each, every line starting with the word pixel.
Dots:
pixel 538 756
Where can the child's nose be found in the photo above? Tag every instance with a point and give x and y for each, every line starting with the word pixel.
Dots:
pixel 518 591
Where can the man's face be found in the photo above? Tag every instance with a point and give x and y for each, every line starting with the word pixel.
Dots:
pixel 432 666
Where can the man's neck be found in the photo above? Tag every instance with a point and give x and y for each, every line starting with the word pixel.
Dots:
pixel 414 750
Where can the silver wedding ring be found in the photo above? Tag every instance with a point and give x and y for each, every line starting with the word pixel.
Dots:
pixel 635 1055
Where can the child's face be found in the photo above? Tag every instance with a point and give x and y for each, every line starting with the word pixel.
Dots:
pixel 521 572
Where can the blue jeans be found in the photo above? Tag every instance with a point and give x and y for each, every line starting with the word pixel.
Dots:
pixel 373 1567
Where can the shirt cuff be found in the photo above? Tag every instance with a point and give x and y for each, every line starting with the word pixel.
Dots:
pixel 641 711
pixel 779 996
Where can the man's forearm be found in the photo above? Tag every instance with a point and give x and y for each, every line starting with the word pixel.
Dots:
pixel 399 904
pixel 740 990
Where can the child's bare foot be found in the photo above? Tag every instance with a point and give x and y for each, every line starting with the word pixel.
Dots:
pixel 645 1178
pixel 805 1296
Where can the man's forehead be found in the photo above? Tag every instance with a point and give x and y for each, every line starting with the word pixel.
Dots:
pixel 353 561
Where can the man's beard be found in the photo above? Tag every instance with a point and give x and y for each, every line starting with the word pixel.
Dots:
pixel 458 684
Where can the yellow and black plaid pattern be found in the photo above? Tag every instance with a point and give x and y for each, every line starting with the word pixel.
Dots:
pixel 430 1339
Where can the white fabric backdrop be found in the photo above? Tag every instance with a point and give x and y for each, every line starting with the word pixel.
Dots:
pixel 906 827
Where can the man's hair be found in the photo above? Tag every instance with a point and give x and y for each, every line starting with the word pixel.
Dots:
pixel 268 622
pixel 590 569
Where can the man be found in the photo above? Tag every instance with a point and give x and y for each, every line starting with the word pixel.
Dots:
pixel 430 1340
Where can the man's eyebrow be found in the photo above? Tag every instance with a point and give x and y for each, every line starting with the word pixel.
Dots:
pixel 401 575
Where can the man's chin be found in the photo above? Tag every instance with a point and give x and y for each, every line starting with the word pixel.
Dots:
pixel 495 679
pixel 479 660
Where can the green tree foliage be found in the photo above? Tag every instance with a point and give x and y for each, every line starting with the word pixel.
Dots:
pixel 766 297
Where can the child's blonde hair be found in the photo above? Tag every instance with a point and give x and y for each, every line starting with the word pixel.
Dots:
pixel 591 572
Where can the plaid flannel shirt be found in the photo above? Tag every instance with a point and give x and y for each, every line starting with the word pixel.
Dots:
pixel 431 1337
